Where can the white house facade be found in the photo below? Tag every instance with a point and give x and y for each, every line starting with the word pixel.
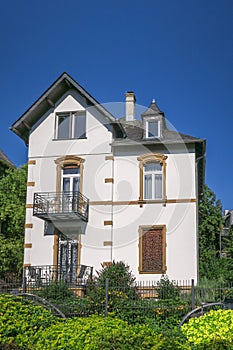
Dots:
pixel 102 189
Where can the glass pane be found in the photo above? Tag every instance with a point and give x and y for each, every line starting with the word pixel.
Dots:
pixel 79 125
pixel 148 187
pixel 63 126
pixel 66 184
pixel 75 184
pixel 158 186
pixel 153 128
pixel 70 171
pixel 151 167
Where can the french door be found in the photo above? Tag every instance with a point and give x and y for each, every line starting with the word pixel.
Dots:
pixel 70 188
pixel 67 259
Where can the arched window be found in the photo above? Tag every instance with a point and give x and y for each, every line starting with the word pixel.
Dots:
pixel 152 169
pixel 69 174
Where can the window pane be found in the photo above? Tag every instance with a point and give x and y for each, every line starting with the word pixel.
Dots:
pixel 75 184
pixel 79 125
pixel 155 166
pixel 70 171
pixel 66 184
pixel 63 126
pixel 158 186
pixel 153 128
pixel 148 187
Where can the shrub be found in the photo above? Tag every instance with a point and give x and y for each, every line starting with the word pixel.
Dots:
pixel 20 320
pixel 96 332
pixel 55 291
pixel 214 330
pixel 118 274
pixel 167 289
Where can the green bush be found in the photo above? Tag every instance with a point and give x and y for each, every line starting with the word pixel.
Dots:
pixel 214 330
pixel 167 289
pixel 118 274
pixel 55 291
pixel 20 320
pixel 96 332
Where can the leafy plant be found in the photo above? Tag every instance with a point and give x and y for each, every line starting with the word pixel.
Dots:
pixel 12 217
pixel 20 320
pixel 118 274
pixel 214 330
pixel 55 291
pixel 167 289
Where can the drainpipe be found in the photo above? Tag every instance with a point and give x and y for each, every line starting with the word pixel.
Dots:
pixel 112 215
pixel 197 216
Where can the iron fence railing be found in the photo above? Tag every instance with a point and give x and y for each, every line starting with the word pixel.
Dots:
pixel 50 204
pixel 71 275
pixel 78 294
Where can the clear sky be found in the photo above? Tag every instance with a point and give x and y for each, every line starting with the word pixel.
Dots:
pixel 179 52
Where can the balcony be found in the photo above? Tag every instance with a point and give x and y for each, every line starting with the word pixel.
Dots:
pixel 72 275
pixel 64 206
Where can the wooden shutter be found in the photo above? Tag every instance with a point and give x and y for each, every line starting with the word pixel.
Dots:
pixel 152 250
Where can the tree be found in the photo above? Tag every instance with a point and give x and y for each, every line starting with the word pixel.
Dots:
pixel 12 219
pixel 210 225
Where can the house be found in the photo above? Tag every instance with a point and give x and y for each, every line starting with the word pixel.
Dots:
pixel 5 163
pixel 101 189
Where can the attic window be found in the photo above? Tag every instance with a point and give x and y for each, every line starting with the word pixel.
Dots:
pixel 152 128
pixel 71 125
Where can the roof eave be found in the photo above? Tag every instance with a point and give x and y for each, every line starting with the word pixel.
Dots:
pixel 48 100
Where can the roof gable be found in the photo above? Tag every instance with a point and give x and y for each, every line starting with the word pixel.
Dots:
pixel 48 100
pixel 6 160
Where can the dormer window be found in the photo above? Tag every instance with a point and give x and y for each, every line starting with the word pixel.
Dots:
pixel 152 128
pixel 71 125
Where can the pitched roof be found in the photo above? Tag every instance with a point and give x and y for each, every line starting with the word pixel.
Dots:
pixel 6 160
pixel 153 109
pixel 48 99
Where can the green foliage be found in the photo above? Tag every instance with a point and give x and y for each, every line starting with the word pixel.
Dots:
pixel 12 201
pixel 25 326
pixel 55 291
pixel 20 321
pixel 210 224
pixel 214 330
pixel 168 289
pixel 12 219
pixel 118 274
pixel 97 332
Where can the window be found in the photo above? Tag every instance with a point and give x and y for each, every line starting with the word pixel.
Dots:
pixel 152 249
pixel 152 128
pixel 71 125
pixel 152 176
pixel 70 179
pixel 153 184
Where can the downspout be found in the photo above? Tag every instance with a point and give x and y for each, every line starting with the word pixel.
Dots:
pixel 112 214
pixel 197 216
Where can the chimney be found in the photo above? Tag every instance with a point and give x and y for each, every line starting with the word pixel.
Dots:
pixel 129 106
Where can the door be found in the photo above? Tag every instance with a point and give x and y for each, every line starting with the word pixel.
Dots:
pixel 67 259
pixel 70 188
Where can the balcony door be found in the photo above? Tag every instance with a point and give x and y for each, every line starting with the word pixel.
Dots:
pixel 67 259
pixel 70 188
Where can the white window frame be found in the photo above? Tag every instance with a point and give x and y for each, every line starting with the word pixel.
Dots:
pixel 71 115
pixel 153 174
pixel 150 158
pixel 147 128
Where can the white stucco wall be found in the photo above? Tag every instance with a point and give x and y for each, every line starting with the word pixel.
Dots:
pixel 179 218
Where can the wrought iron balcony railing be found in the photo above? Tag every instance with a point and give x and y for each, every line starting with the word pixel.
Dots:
pixel 63 205
pixel 73 275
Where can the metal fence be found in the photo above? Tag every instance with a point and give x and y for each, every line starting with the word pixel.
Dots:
pixel 140 300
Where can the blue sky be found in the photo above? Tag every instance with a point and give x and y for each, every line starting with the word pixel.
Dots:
pixel 178 52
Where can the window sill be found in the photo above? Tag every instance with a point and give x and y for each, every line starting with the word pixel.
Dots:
pixel 75 138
